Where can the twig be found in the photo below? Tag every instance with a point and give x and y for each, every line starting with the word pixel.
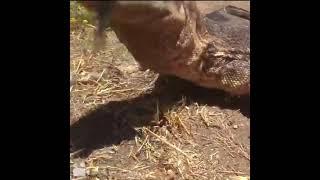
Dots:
pixel 144 142
pixel 198 175
pixel 101 75
pixel 169 144
pixel 91 26
pixel 110 167
pixel 232 172
pixel 203 116
pixel 79 64
pixel 75 153
pixel 157 115
pixel 183 125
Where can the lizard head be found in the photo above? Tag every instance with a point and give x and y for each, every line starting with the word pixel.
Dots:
pixel 228 71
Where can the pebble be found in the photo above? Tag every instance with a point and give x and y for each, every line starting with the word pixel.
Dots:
pixel 170 175
pixel 79 172
pixel 217 156
pixel 82 164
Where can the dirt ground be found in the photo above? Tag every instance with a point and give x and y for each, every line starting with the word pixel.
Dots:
pixel 130 124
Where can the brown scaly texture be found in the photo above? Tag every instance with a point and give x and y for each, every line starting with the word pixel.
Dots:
pixel 173 38
pixel 232 65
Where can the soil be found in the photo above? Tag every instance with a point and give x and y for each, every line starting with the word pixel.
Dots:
pixel 131 124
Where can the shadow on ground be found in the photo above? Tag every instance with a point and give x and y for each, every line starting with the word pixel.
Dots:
pixel 115 121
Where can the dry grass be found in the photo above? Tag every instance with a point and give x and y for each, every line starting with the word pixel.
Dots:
pixel 131 132
pixel 106 75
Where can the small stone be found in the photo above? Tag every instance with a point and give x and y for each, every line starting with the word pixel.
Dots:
pixel 235 126
pixel 79 172
pixel 82 164
pixel 217 156
pixel 170 175
pixel 170 172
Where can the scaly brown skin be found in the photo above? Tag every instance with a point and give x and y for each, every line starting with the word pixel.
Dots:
pixel 232 25
pixel 173 38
